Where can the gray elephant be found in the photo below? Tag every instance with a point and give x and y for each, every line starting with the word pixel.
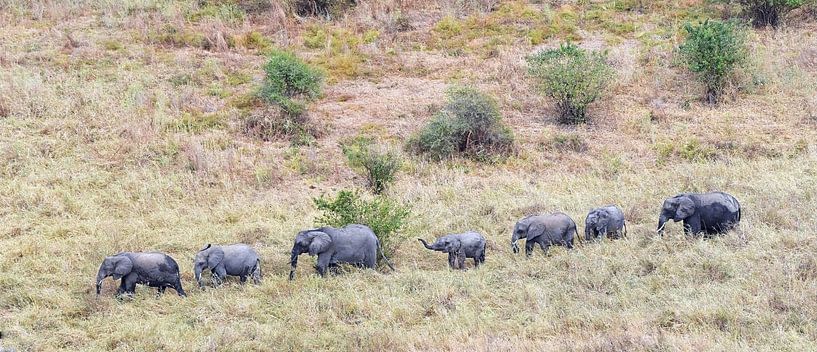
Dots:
pixel 708 213
pixel 459 247
pixel 152 269
pixel 235 260
pixel 353 244
pixel 555 229
pixel 607 221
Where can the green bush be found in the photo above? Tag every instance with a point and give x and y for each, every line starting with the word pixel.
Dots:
pixel 713 50
pixel 469 124
pixel 385 216
pixel 378 166
pixel 573 77
pixel 768 12
pixel 290 82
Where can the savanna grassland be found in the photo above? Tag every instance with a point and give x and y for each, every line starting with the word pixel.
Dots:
pixel 123 128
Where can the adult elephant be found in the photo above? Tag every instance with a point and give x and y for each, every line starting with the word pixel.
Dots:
pixel 607 221
pixel 708 213
pixel 151 268
pixel 460 246
pixel 555 229
pixel 353 244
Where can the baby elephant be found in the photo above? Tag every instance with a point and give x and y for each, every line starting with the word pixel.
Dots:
pixel 235 259
pixel 460 246
pixel 555 229
pixel 153 269
pixel 605 221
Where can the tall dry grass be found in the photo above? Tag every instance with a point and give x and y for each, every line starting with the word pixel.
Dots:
pixel 111 142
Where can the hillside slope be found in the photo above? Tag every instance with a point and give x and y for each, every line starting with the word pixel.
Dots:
pixel 121 129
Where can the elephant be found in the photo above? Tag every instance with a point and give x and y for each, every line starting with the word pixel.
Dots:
pixel 605 221
pixel 352 244
pixel 708 213
pixel 235 259
pixel 148 268
pixel 459 247
pixel 555 229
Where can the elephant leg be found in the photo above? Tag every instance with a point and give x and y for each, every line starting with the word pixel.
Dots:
pixel 323 263
pixel 452 260
pixel 544 247
pixel 129 282
pixel 160 290
pixel 692 226
pixel 529 247
pixel 461 261
pixel 178 287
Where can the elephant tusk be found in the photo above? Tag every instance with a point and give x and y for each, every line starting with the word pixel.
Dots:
pixel 661 228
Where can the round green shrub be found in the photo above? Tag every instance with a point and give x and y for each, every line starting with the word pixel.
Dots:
pixel 713 51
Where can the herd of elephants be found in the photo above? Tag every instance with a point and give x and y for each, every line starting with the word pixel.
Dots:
pixel 702 213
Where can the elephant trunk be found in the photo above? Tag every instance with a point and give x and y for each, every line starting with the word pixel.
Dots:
pixel 662 221
pixel 514 239
pixel 293 262
pixel 425 243
pixel 587 233
pixel 99 277
pixel 197 272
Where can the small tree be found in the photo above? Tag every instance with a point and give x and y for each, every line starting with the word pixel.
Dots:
pixel 384 216
pixel 573 77
pixel 768 12
pixel 290 82
pixel 378 165
pixel 470 124
pixel 713 50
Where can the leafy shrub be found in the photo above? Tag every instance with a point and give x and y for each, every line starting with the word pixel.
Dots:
pixel 568 142
pixel 573 77
pixel 768 12
pixel 469 124
pixel 290 82
pixel 269 125
pixel 378 166
pixel 713 50
pixel 385 216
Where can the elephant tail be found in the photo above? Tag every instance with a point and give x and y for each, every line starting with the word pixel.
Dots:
pixel 576 234
pixel 380 248
pixel 625 229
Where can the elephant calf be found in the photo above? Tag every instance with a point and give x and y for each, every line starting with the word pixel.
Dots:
pixel 605 221
pixel 555 229
pixel 153 269
pixel 353 244
pixel 460 246
pixel 235 260
pixel 709 213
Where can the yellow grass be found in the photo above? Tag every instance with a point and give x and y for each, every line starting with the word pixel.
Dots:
pixel 93 161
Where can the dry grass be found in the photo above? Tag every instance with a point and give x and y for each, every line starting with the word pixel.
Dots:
pixel 111 140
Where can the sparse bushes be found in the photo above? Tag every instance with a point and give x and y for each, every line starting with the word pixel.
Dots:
pixel 290 82
pixel 379 166
pixel 326 8
pixel 470 124
pixel 386 217
pixel 713 50
pixel 768 12
pixel 571 76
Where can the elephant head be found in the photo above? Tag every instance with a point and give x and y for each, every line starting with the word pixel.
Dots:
pixel 677 209
pixel 312 241
pixel 445 244
pixel 116 266
pixel 526 228
pixel 598 221
pixel 208 257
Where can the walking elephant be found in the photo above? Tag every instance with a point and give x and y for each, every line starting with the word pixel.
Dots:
pixel 607 221
pixel 235 260
pixel 152 269
pixel 555 229
pixel 353 244
pixel 459 247
pixel 708 213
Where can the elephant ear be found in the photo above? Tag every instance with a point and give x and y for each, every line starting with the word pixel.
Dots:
pixel 215 257
pixel 686 207
pixel 453 245
pixel 122 266
pixel 320 242
pixel 535 229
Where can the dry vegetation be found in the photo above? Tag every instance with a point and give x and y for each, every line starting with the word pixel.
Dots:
pixel 121 129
